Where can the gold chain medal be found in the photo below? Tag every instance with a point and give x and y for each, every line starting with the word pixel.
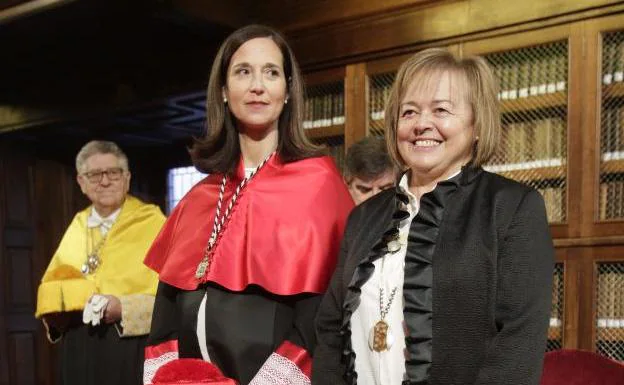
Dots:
pixel 381 338
pixel 204 265
pixel 219 220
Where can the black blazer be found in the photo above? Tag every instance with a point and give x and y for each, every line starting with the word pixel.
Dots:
pixel 492 274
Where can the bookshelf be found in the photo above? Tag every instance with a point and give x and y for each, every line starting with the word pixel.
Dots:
pixel 534 102
pixel 611 172
pixel 324 113
pixel 609 318
pixel 379 92
pixel 326 132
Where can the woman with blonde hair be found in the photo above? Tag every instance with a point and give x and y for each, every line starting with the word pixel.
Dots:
pixel 445 279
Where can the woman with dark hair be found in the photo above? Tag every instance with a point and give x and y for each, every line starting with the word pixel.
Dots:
pixel 247 253
pixel 446 278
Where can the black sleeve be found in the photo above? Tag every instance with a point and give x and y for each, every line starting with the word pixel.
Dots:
pixel 165 320
pixel 303 333
pixel 327 367
pixel 526 258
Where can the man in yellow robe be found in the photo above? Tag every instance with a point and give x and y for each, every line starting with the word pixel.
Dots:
pixel 96 296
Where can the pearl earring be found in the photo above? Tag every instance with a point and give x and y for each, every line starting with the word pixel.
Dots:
pixel 285 101
pixel 224 100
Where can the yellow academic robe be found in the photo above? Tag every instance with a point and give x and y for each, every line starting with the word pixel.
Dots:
pixel 121 272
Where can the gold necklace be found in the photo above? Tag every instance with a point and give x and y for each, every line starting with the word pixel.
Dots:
pixel 219 221
pixel 381 337
pixel 93 260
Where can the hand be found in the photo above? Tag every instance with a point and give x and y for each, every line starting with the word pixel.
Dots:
pixel 112 313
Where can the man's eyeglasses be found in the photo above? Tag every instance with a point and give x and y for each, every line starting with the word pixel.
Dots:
pixel 111 173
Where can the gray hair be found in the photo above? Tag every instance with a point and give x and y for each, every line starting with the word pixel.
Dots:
pixel 100 147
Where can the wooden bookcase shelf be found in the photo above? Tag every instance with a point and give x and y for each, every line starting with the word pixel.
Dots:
pixel 610 334
pixel 325 132
pixel 556 99
pixel 613 90
pixel 535 174
pixel 612 166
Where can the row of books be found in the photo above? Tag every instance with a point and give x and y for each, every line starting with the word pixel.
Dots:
pixel 555 201
pixel 323 111
pixel 532 75
pixel 610 299
pixel 613 60
pixel 535 140
pixel 611 200
pixel 378 98
pixel 612 129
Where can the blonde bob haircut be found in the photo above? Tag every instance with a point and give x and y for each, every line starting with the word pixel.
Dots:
pixel 479 87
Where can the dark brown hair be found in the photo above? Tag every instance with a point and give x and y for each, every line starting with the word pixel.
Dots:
pixel 480 87
pixel 219 150
pixel 368 159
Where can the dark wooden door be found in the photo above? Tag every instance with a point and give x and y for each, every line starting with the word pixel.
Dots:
pixel 37 201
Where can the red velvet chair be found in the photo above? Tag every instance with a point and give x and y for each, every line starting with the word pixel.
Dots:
pixel 577 367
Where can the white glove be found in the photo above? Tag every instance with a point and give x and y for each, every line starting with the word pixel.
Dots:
pixel 94 309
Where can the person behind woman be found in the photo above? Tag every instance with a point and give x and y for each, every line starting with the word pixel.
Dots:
pixel 445 279
pixel 369 169
pixel 246 255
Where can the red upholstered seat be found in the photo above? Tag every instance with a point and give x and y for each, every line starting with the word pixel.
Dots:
pixel 577 367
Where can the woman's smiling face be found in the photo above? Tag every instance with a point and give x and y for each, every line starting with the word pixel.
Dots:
pixel 435 133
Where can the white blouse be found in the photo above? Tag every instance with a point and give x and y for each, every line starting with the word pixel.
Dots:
pixel 386 367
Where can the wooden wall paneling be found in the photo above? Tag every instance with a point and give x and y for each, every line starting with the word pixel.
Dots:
pixel 590 241
pixel 408 27
pixel 19 327
pixel 575 132
pixel 299 15
pixel 516 40
pixel 385 65
pixel 4 349
pixel 324 76
pixel 392 63
pixel 591 226
pixel 356 103
pixel 55 210
pixel 572 286
pixel 38 199
pixel 586 300
pixel 226 13
pixel 591 123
